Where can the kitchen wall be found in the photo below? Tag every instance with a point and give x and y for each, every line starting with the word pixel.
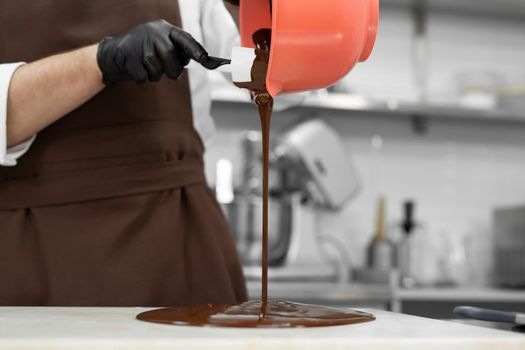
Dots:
pixel 457 172
pixel 456 44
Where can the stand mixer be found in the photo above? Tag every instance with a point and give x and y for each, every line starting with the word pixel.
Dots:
pixel 310 173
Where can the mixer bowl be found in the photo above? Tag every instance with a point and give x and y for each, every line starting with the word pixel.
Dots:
pixel 314 43
pixel 245 219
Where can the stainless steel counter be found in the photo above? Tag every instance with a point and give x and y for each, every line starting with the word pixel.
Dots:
pixel 377 296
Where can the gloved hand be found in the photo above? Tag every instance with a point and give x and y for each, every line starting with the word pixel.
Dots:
pixel 233 2
pixel 146 52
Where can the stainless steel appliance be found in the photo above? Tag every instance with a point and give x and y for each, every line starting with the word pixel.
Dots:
pixel 310 172
pixel 509 243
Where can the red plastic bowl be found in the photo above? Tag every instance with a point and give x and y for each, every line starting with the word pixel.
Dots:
pixel 314 43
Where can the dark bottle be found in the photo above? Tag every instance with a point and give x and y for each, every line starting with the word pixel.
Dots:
pixel 410 248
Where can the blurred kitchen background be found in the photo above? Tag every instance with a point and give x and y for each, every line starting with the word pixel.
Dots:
pixel 403 186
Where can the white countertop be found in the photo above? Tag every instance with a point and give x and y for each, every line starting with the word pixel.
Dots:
pixel 116 328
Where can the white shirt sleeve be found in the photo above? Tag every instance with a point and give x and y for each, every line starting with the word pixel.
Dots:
pixel 8 156
pixel 219 32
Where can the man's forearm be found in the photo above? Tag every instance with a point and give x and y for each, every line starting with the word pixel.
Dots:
pixel 44 91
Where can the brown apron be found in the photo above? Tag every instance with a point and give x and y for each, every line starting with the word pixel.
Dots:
pixel 110 206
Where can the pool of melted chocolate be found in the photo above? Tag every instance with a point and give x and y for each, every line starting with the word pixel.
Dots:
pixel 263 313
pixel 278 314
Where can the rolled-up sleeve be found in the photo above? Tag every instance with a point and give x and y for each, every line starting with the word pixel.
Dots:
pixel 219 32
pixel 9 156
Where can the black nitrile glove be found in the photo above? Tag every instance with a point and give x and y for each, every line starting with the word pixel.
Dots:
pixel 233 2
pixel 146 52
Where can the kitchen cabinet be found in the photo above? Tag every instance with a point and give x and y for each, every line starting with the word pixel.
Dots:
pixel 439 302
pixel 116 328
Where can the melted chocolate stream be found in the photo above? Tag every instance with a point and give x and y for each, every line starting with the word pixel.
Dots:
pixel 263 313
pixel 264 102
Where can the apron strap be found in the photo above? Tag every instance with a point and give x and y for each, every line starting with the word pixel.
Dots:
pixel 96 184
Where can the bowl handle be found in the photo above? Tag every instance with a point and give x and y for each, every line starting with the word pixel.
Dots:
pixel 373 19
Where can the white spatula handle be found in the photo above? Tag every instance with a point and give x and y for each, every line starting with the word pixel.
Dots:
pixel 240 68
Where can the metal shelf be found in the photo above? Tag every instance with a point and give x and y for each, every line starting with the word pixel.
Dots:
pixel 344 104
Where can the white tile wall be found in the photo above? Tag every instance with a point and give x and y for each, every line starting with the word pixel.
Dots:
pixel 457 173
